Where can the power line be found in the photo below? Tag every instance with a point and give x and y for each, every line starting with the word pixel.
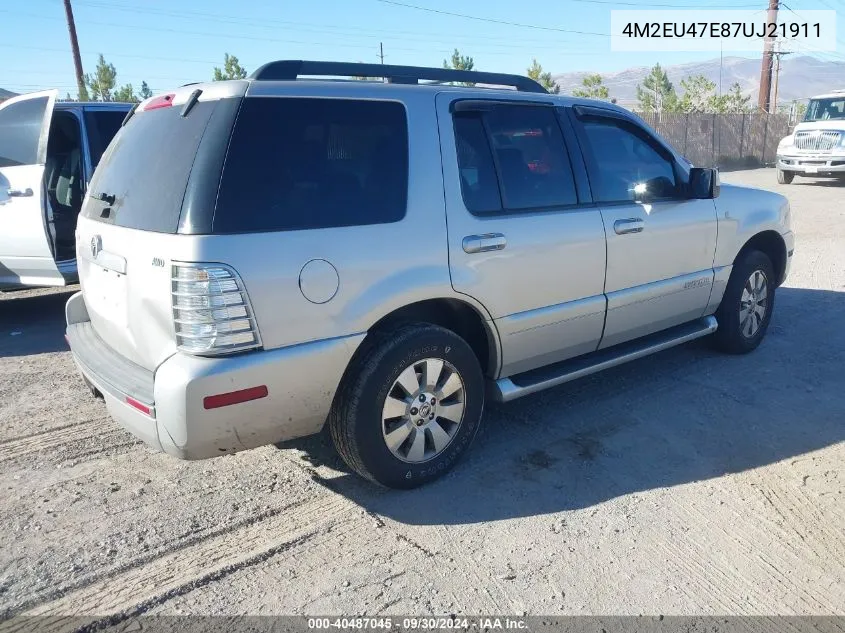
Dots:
pixel 298 26
pixel 263 39
pixel 540 27
pixel 491 20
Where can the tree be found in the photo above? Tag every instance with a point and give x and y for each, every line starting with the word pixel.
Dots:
pixel 126 93
pixel 459 62
pixel 592 87
pixel 232 69
pixel 699 95
pixel 101 83
pixel 656 93
pixel 734 101
pixel 535 72
pixel 145 93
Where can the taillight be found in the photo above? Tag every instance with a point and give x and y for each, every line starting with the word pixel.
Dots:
pixel 211 310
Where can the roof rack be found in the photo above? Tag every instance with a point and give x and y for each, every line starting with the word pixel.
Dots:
pixel 290 70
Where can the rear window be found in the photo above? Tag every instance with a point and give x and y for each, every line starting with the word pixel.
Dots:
pixel 146 169
pixel 301 163
pixel 20 129
pixel 101 126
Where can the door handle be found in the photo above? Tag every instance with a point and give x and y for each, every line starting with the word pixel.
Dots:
pixel 629 225
pixel 18 193
pixel 483 243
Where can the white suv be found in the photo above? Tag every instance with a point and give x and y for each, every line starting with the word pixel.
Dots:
pixel 817 145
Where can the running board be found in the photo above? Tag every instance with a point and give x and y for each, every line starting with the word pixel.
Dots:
pixel 518 385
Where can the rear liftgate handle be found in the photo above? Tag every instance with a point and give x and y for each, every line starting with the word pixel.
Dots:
pixel 484 243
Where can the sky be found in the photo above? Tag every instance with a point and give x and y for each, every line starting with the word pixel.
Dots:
pixel 168 43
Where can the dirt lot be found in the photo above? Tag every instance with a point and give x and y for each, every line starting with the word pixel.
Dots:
pixel 687 483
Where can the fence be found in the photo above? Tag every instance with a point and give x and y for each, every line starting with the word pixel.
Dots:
pixel 726 140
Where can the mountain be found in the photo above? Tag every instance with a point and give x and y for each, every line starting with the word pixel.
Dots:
pixel 800 77
pixel 7 94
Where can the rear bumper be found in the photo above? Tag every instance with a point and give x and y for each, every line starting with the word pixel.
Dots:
pixel 301 381
pixel 812 165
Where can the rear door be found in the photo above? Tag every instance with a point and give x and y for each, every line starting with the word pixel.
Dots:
pixel 26 253
pixel 524 239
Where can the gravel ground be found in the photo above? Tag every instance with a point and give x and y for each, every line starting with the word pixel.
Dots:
pixel 688 483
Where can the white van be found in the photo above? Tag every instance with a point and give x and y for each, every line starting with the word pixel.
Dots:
pixel 48 152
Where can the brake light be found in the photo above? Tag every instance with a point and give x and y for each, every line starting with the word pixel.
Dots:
pixel 211 310
pixel 162 101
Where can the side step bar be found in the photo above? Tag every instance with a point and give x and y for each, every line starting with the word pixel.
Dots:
pixel 518 385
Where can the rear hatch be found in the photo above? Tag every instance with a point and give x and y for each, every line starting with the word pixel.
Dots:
pixel 161 170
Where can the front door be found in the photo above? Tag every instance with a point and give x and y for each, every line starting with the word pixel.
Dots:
pixel 26 253
pixel 523 240
pixel 660 243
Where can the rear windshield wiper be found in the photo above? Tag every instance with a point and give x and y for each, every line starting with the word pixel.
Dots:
pixel 105 197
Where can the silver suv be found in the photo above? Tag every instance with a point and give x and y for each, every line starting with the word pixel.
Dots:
pixel 261 258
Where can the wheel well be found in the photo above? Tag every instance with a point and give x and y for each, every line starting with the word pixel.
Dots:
pixel 772 244
pixel 451 314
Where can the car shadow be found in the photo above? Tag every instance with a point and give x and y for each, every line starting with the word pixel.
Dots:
pixel 33 324
pixel 685 415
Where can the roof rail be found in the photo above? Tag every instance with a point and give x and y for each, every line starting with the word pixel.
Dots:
pixel 290 70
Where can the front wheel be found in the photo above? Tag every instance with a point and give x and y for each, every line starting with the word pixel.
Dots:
pixel 785 177
pixel 409 406
pixel 746 308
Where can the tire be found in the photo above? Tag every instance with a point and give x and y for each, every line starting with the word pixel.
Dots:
pixel 360 419
pixel 736 335
pixel 785 177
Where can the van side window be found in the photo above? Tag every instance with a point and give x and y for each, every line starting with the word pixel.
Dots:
pixel 101 126
pixel 621 156
pixel 309 163
pixel 523 146
pixel 20 129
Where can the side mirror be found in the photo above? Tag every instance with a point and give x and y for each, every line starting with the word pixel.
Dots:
pixel 704 183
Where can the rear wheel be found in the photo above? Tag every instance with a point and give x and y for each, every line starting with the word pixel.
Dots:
pixel 785 177
pixel 746 308
pixel 409 407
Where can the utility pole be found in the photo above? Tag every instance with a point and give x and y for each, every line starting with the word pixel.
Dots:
pixel 764 98
pixel 74 47
pixel 381 52
pixel 778 54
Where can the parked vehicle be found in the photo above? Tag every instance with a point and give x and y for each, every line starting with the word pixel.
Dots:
pixel 816 147
pixel 48 152
pixel 259 258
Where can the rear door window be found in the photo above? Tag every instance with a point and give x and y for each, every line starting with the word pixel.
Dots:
pixel 146 169
pixel 305 163
pixel 20 131
pixel 101 126
pixel 520 149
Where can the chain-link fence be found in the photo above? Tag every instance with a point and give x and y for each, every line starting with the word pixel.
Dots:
pixel 726 140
